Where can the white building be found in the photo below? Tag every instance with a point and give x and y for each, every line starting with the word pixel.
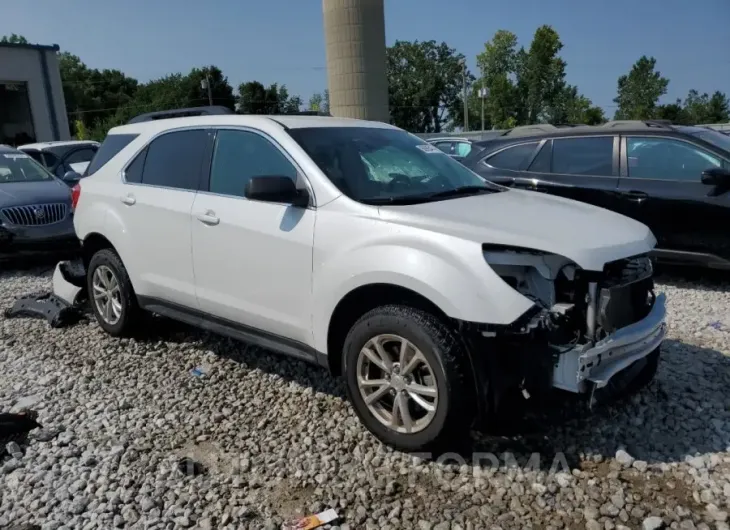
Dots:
pixel 32 107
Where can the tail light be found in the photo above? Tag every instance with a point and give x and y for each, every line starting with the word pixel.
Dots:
pixel 75 195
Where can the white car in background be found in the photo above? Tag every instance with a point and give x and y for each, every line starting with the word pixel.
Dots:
pixel 360 247
pixel 63 157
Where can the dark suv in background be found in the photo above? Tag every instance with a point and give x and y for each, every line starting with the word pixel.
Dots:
pixel 674 179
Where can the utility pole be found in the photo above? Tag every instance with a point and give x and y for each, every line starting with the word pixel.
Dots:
pixel 205 83
pixel 466 104
pixel 483 94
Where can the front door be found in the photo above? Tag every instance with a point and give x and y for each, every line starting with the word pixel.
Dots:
pixel 661 186
pixel 252 259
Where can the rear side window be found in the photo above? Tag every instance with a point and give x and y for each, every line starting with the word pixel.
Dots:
pixel 514 158
pixel 541 164
pixel 35 155
pixel 108 150
pixel 462 149
pixel 446 147
pixel 174 159
pixel 81 155
pixel 133 173
pixel 583 156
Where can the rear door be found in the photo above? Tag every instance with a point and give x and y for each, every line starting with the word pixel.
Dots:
pixel 506 165
pixel 661 186
pixel 160 184
pixel 580 168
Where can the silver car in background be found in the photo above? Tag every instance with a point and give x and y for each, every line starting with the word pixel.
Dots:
pixel 67 160
pixel 35 208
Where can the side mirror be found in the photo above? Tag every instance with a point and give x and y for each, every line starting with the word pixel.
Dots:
pixel 71 177
pixel 276 189
pixel 716 176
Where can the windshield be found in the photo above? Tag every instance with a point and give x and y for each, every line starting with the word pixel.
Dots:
pixel 19 167
pixel 375 165
pixel 716 138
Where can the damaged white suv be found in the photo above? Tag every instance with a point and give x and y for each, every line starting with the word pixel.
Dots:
pixel 362 248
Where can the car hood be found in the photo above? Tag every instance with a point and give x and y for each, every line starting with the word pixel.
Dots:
pixel 588 235
pixel 24 193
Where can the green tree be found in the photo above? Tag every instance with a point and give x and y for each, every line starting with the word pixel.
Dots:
pixel 14 39
pixel 255 98
pixel 639 91
pixel 673 112
pixel 425 81
pixel 570 107
pixel 320 101
pixel 498 64
pixel 540 76
pixel 221 90
pixel 528 86
pixel 93 95
pixel 699 109
pixel 718 108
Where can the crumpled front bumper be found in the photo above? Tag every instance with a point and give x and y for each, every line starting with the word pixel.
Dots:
pixel 598 363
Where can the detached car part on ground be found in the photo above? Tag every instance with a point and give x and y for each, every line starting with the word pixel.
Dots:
pixel 433 293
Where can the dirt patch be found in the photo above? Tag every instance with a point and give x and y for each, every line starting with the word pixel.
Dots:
pixel 290 499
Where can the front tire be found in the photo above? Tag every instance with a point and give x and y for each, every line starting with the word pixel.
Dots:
pixel 405 377
pixel 111 294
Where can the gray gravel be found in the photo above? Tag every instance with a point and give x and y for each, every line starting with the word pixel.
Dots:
pixel 278 439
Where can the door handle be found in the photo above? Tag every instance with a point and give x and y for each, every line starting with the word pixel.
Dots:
pixel 637 196
pixel 129 200
pixel 208 218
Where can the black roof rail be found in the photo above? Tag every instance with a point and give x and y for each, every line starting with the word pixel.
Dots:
pixel 215 110
pixel 529 130
pixel 649 124
pixel 307 113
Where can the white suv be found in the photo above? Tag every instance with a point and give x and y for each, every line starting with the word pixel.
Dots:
pixel 362 248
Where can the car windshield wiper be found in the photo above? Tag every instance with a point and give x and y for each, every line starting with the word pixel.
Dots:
pixel 427 197
pixel 461 190
pixel 412 199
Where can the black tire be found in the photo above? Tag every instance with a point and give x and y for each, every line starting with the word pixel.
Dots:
pixel 130 309
pixel 444 353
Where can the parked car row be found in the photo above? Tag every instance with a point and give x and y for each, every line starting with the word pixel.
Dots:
pixel 674 179
pixel 362 248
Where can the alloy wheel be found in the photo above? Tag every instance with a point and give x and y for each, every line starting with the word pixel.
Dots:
pixel 107 294
pixel 397 383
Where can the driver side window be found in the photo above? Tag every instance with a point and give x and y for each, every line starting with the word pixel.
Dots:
pixel 667 159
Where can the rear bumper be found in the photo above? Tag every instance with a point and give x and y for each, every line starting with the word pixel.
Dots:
pixel 585 367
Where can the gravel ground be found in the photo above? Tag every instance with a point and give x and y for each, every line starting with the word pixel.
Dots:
pixel 278 439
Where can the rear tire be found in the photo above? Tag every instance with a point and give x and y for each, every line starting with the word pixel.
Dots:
pixel 420 400
pixel 111 295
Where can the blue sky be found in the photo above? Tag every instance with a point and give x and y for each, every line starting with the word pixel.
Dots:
pixel 282 40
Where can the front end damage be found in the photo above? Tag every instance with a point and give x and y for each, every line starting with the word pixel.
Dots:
pixel 588 332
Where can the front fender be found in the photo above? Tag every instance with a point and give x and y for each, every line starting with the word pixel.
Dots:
pixel 457 280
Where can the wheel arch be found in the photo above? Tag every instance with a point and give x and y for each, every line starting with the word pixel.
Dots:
pixel 93 243
pixel 362 299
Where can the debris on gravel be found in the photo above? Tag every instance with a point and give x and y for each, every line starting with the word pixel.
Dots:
pixel 277 439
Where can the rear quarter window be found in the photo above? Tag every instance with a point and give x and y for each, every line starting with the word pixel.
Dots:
pixel 108 150
pixel 514 157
